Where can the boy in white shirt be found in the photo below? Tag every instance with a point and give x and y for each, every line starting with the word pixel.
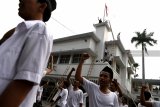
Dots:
pixel 99 95
pixel 24 54
pixel 61 100
pixel 41 87
pixel 75 97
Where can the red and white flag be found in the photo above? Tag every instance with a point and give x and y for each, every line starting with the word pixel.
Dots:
pixel 105 13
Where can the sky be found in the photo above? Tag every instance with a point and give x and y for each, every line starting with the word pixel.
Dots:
pixel 78 16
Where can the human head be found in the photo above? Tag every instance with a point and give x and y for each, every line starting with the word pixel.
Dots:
pixel 147 95
pixel 64 84
pixel 113 86
pixel 76 84
pixel 124 100
pixel 108 70
pixel 106 76
pixel 36 9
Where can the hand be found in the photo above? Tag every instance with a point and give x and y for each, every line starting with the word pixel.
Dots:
pixel 144 87
pixel 84 56
pixel 73 69
pixel 115 80
pixel 48 71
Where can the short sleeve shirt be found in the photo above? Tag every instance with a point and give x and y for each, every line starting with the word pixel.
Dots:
pixel 97 98
pixel 63 100
pixel 74 97
pixel 156 103
pixel 24 56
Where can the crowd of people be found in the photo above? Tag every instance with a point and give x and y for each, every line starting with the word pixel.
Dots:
pixel 107 94
pixel 25 50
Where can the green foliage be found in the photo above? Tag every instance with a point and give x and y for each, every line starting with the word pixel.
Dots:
pixel 144 39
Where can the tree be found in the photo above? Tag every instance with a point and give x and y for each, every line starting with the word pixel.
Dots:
pixel 143 39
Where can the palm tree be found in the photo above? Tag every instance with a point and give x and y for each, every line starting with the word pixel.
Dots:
pixel 143 39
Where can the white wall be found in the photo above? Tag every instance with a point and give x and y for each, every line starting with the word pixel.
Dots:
pixel 70 45
pixel 119 52
pixel 92 44
pixel 76 44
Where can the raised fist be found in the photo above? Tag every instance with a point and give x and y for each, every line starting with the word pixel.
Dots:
pixel 84 56
pixel 73 69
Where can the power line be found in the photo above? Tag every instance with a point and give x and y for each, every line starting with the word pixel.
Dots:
pixel 63 25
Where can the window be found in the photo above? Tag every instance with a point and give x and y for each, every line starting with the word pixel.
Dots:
pixel 117 69
pixel 64 59
pixel 55 58
pixel 157 99
pixel 76 58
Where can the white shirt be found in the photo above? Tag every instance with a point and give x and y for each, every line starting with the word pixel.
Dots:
pixel 139 105
pixel 97 98
pixel 24 56
pixel 156 103
pixel 63 100
pixel 74 97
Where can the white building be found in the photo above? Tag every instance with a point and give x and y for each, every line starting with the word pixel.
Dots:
pixel 67 52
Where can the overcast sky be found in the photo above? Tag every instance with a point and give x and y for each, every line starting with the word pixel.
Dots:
pixel 78 16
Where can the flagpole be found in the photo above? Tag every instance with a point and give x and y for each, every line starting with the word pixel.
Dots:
pixel 105 12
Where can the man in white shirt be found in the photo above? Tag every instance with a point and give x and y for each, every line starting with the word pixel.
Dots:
pixel 99 95
pixel 24 54
pixel 147 103
pixel 75 97
pixel 41 87
pixel 61 100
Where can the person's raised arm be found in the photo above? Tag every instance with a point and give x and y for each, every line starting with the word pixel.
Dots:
pixel 69 75
pixel 118 88
pixel 142 98
pixel 48 71
pixel 79 68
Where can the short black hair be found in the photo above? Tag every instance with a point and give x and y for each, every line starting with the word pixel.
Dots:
pixel 147 95
pixel 109 70
pixel 51 6
pixel 66 83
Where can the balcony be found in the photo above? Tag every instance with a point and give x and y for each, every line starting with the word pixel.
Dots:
pixel 119 61
pixel 130 70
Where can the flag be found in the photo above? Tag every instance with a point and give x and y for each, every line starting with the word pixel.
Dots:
pixel 105 12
